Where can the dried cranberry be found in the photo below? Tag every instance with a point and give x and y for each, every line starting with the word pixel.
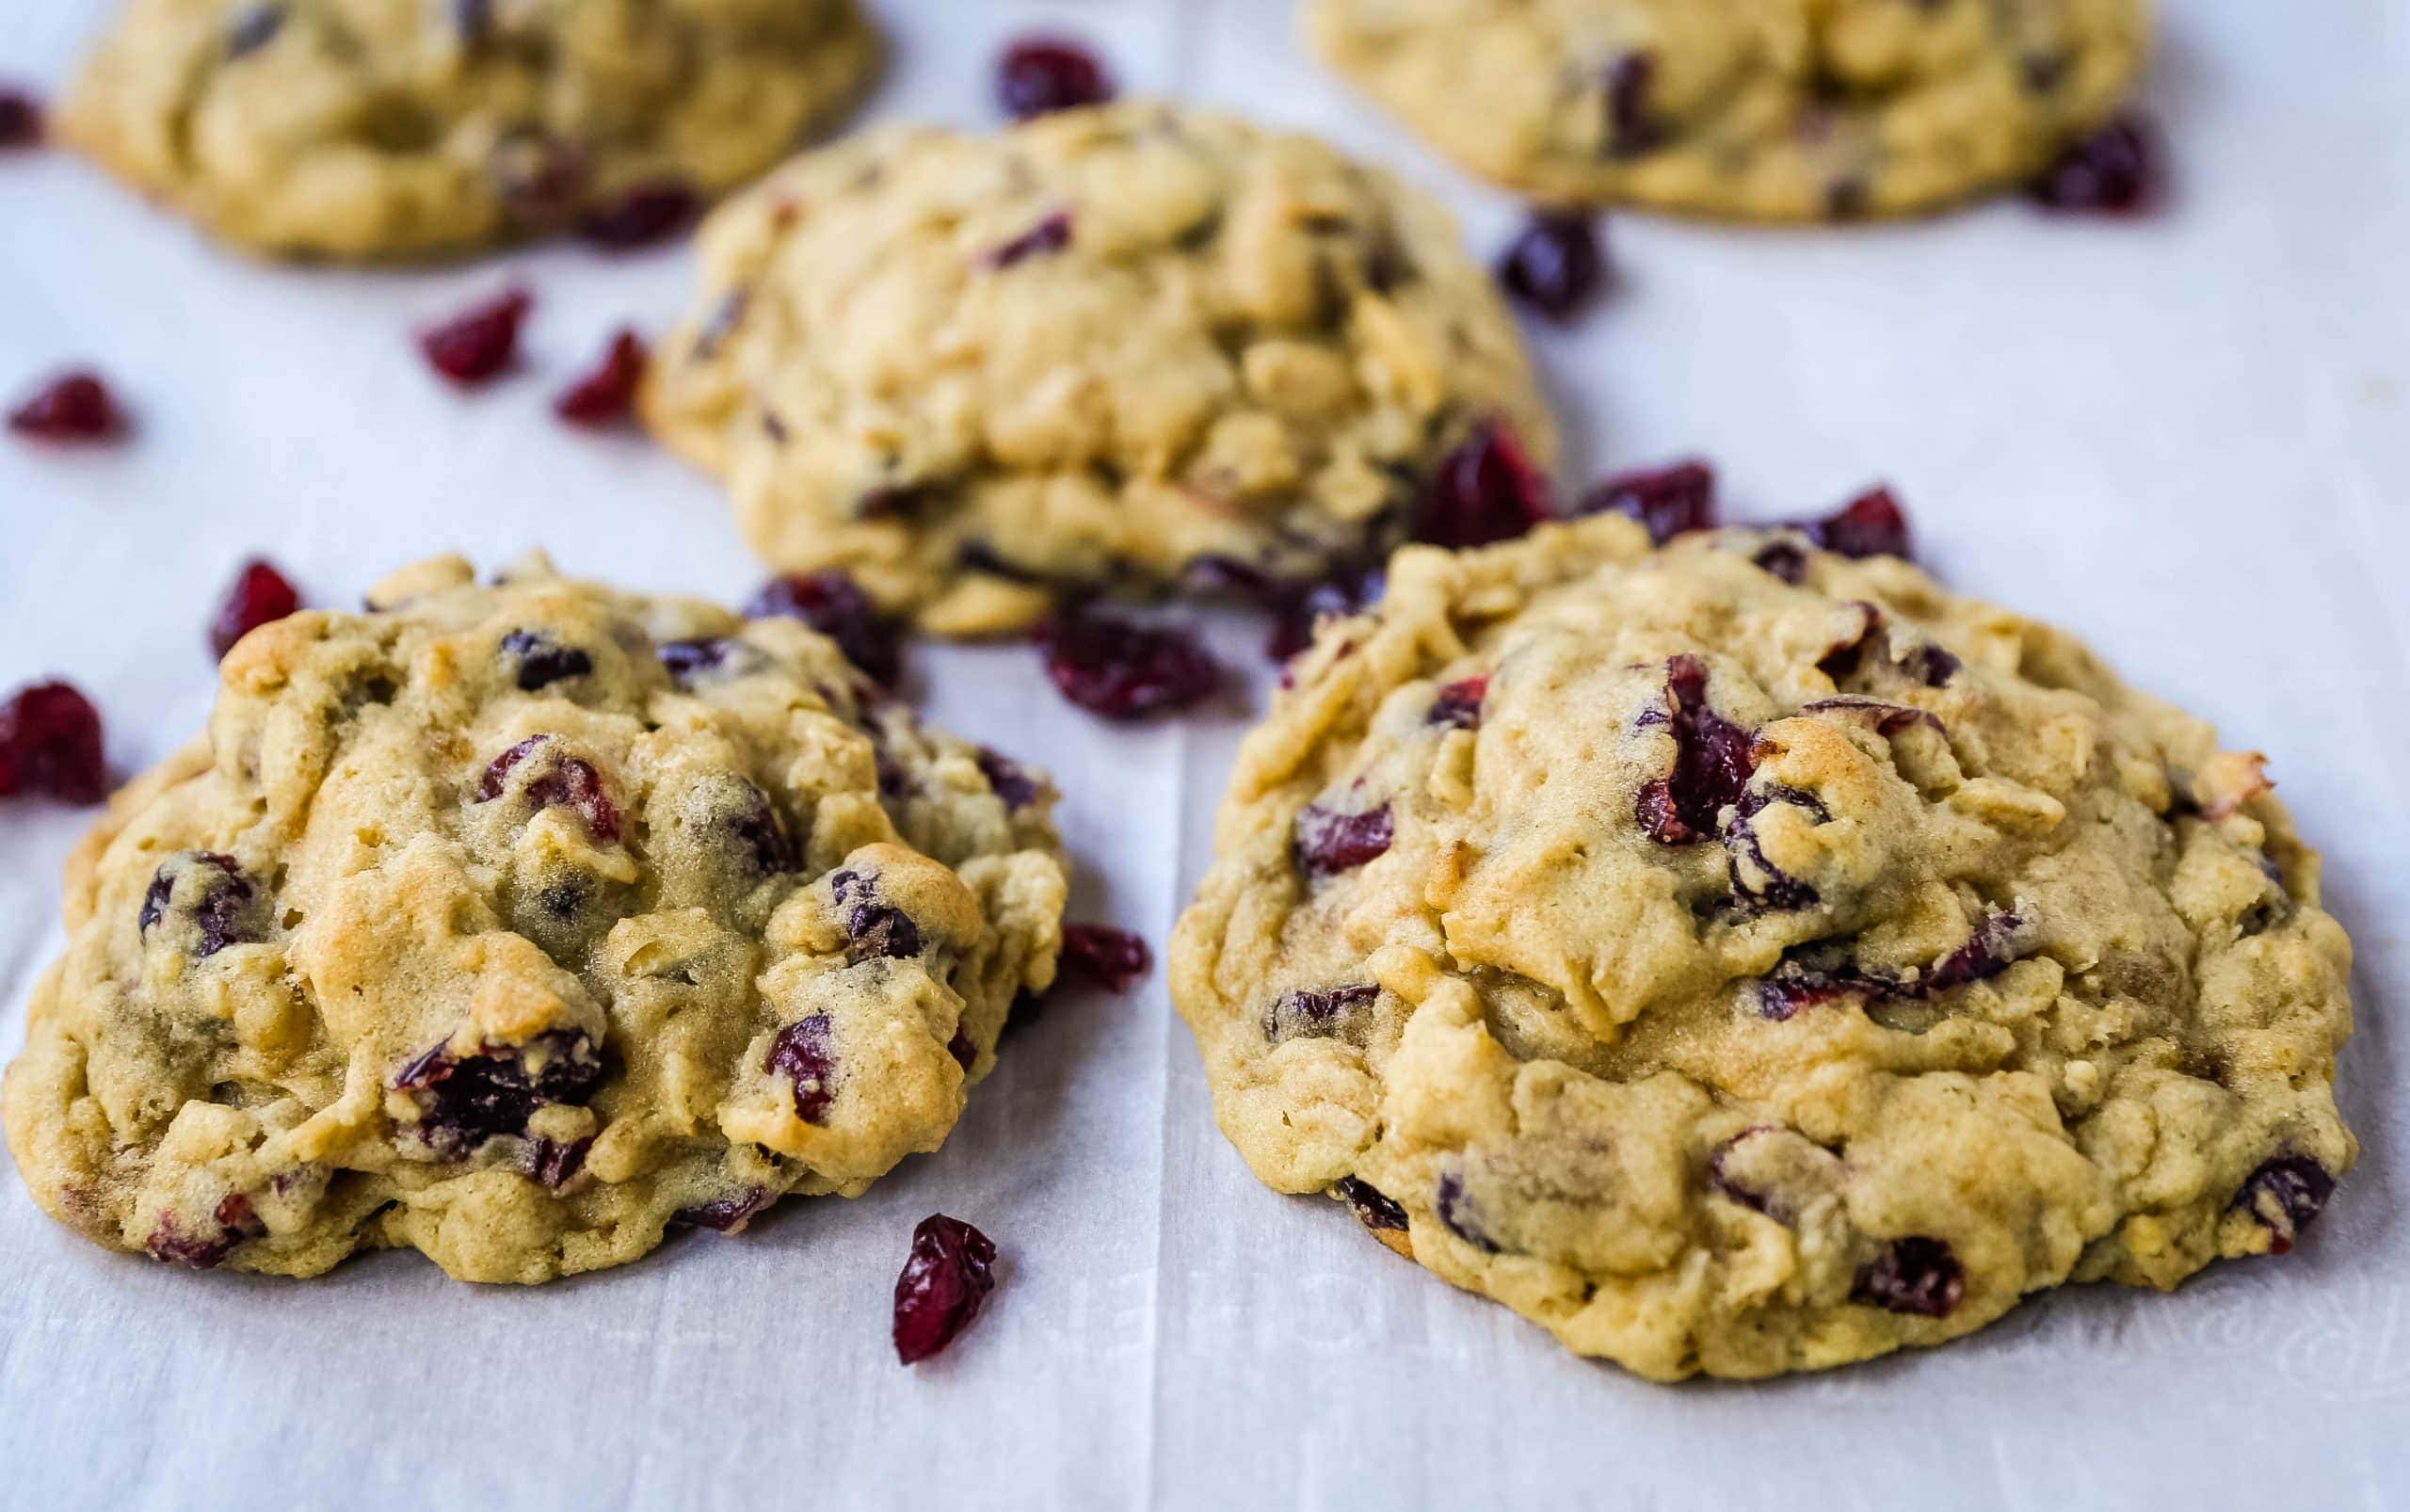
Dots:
pixel 1039 74
pixel 557 1165
pixel 219 902
pixel 686 661
pixel 1458 707
pixel 1326 843
pixel 1871 524
pixel 1051 234
pixel 944 1281
pixel 463 1100
pixel 1121 670
pixel 1886 718
pixel 1713 761
pixel 1309 1013
pixel 75 407
pixel 641 216
pixel 726 1214
pixel 1784 560
pixel 1454 1211
pixel 608 392
pixel 473 346
pixel 1779 891
pixel 1485 490
pixel 1794 987
pixel 259 595
pixel 1629 130
pixel 1669 501
pixel 539 661
pixel 1111 959
pixel 801 1052
pixel 753 825
pixel 1989 950
pixel 49 742
pixel 20 119
pixel 873 930
pixel 1722 1182
pixel 2286 1195
pixel 834 604
pixel 563 782
pixel 1296 609
pixel 965 1054
pixel 1915 1274
pixel 1374 1209
pixel 1555 266
pixel 232 1222
pixel 1011 780
pixel 2114 171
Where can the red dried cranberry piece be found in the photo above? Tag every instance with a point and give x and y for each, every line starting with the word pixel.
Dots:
pixel 640 217
pixel 944 1282
pixel 1328 843
pixel 221 911
pixel 20 119
pixel 1111 959
pixel 72 407
pixel 1779 891
pixel 259 595
pixel 1871 524
pixel 50 743
pixel 232 1222
pixel 1989 950
pixel 1483 491
pixel 473 346
pixel 754 826
pixel 1713 761
pixel 1313 1014
pixel 2287 1195
pixel 1915 1274
pixel 726 1214
pixel 687 661
pixel 1458 704
pixel 1039 74
pixel 965 1054
pixel 1722 1182
pixel 608 392
pixel 1012 783
pixel 1792 987
pixel 1296 609
pixel 1669 501
pixel 1051 234
pixel 541 661
pixel 1784 560
pixel 873 930
pixel 1629 130
pixel 1374 1208
pixel 1121 670
pixel 1556 266
pixel 1887 718
pixel 464 1101
pixel 834 604
pixel 565 781
pixel 1454 1211
pixel 557 1165
pixel 2115 171
pixel 802 1053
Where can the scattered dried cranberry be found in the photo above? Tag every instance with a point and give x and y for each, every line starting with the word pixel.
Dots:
pixel 75 407
pixel 472 348
pixel 2287 1195
pixel 1713 761
pixel 1458 704
pixel 1485 490
pixel 1012 782
pixel 1556 266
pixel 1310 1013
pixel 1328 843
pixel 49 742
pixel 466 1100
pixel 1871 524
pixel 608 392
pixel 20 119
pixel 1296 610
pixel 835 605
pixel 726 1214
pixel 1122 669
pixel 1111 959
pixel 1669 501
pixel 944 1281
pixel 873 930
pixel 2114 171
pixel 1374 1208
pixel 801 1053
pixel 1039 74
pixel 259 595
pixel 1051 234
pixel 564 781
pixel 641 217
pixel 1915 1274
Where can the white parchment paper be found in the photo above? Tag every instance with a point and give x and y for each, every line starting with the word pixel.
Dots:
pixel 2187 437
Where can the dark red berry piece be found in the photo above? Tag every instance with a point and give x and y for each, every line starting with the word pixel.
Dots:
pixel 801 1052
pixel 563 782
pixel 1328 843
pixel 1669 501
pixel 874 930
pixel 1122 669
pixel 1721 1182
pixel 608 392
pixel 944 1282
pixel 1556 266
pixel 835 605
pixel 259 595
pixel 1791 988
pixel 690 661
pixel 1012 782
pixel 1313 1013
pixel 726 1214
pixel 1763 887
pixel 1989 950
pixel 1784 560
pixel 1111 959
pixel 538 661
pixel 74 406
pixel 557 1165
pixel 1051 234
pixel 1458 704
pixel 1374 1208
pixel 1039 74
pixel 1485 490
pixel 464 1101
pixel 1915 1274
pixel 1629 129
pixel 1297 609
pixel 965 1054
pixel 1871 524
pixel 2287 1195
pixel 50 743
pixel 642 215
pixel 1886 718
pixel 1454 1207
pixel 218 902
pixel 229 1223
pixel 478 344
pixel 2116 171
pixel 20 119
pixel 1713 761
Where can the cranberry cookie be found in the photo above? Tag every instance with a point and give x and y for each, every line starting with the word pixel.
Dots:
pixel 369 129
pixel 1759 110
pixel 1133 348
pixel 519 924
pixel 1743 959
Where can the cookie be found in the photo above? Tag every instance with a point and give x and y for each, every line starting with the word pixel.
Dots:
pixel 1748 109
pixel 1741 958
pixel 390 129
pixel 519 924
pixel 1134 348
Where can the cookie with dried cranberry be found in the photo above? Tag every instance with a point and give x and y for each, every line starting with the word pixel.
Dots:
pixel 1743 959
pixel 522 924
pixel 389 129
pixel 1739 108
pixel 1126 349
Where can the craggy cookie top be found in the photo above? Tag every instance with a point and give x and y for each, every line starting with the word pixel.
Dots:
pixel 1113 347
pixel 1783 109
pixel 401 128
pixel 517 925
pixel 1741 958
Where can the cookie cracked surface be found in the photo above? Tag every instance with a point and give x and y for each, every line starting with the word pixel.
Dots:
pixel 389 129
pixel 1755 109
pixel 1125 348
pixel 519 924
pixel 1741 958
